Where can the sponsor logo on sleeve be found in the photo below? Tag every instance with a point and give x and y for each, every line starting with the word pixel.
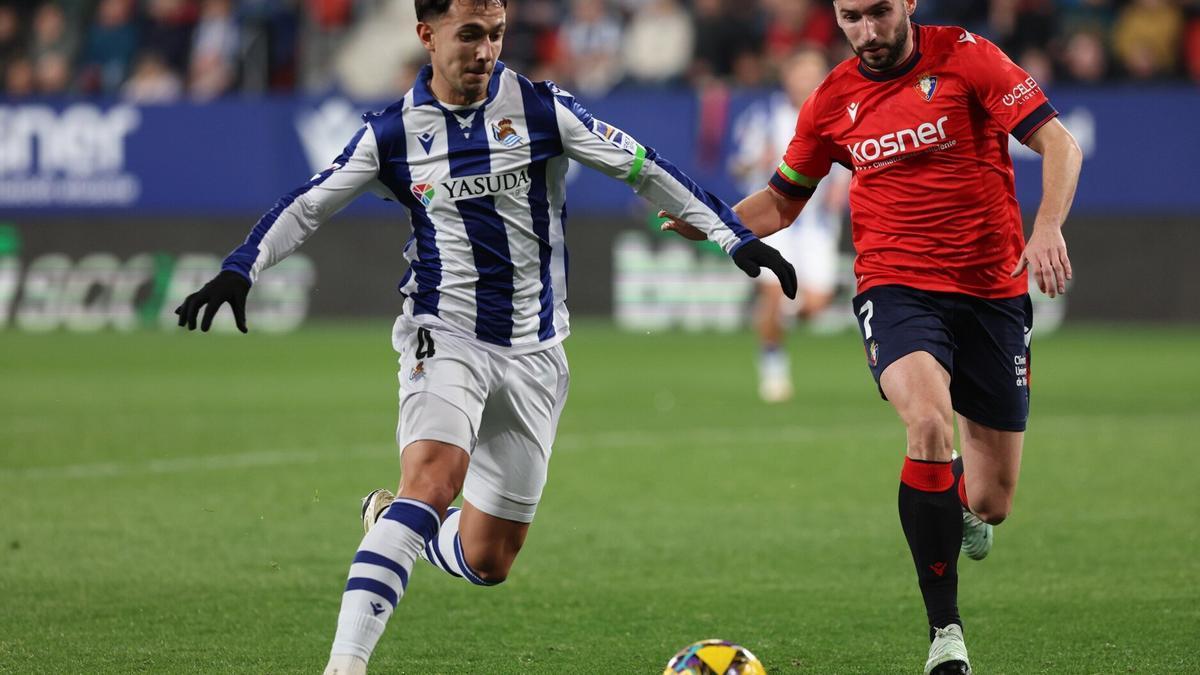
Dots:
pixel 1022 92
pixel 614 136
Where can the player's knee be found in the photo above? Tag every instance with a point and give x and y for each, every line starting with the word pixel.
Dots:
pixel 992 511
pixel 493 568
pixel 930 436
pixel 439 491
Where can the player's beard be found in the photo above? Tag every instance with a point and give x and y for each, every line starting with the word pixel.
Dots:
pixel 890 55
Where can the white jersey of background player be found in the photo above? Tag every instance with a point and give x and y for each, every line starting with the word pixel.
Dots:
pixel 478 155
pixel 761 135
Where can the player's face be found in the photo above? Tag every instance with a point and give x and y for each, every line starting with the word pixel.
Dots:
pixel 464 44
pixel 878 30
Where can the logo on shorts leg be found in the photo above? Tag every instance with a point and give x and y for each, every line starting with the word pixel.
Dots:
pixel 873 353
pixel 418 372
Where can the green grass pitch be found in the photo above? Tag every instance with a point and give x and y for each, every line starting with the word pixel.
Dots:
pixel 189 503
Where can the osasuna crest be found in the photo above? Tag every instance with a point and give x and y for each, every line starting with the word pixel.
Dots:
pixel 503 132
pixel 926 86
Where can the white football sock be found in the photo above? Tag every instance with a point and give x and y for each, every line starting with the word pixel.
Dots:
pixel 379 575
pixel 445 551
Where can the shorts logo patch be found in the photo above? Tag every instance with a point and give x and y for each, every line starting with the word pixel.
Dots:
pixel 873 353
pixel 1021 370
pixel 418 372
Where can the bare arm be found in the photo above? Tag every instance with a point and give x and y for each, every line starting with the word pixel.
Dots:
pixel 764 213
pixel 1045 253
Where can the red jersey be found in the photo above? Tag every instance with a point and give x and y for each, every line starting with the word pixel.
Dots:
pixel 932 202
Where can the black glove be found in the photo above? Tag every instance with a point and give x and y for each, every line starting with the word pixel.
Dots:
pixel 754 254
pixel 228 286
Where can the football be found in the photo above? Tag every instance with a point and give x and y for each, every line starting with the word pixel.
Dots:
pixel 714 657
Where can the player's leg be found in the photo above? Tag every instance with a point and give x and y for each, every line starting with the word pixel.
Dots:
pixel 774 368
pixel 444 387
pixel 772 314
pixel 508 471
pixel 433 475
pixel 991 395
pixel 992 458
pixel 910 353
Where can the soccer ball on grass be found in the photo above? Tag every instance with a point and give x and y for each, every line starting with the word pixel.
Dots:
pixel 714 657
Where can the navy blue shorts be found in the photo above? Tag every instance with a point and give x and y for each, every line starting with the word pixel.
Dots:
pixel 982 343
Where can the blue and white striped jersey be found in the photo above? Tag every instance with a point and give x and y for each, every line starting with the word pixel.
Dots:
pixel 486 187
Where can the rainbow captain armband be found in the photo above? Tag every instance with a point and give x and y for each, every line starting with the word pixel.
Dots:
pixel 793 184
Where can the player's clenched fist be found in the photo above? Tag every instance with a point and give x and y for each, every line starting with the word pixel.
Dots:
pixel 228 286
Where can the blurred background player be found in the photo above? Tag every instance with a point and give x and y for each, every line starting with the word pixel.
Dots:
pixel 761 135
pixel 478 155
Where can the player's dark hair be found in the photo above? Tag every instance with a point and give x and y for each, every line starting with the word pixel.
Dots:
pixel 431 9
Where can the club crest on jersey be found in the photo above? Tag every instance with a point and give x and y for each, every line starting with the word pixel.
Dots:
pixel 503 132
pixel 423 192
pixel 926 86
pixel 418 372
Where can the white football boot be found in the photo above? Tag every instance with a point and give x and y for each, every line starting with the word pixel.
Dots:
pixel 948 652
pixel 977 536
pixel 373 505
pixel 345 664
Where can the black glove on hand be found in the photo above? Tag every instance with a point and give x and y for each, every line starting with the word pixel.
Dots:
pixel 228 286
pixel 754 254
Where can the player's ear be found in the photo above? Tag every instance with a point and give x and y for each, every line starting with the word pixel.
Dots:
pixel 910 6
pixel 425 34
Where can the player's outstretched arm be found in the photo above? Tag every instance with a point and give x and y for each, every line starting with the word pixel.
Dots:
pixel 764 213
pixel 1045 253
pixel 282 229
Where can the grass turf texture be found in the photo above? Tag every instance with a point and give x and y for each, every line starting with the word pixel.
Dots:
pixel 187 503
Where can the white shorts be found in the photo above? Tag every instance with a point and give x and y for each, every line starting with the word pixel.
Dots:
pixel 812 250
pixel 503 410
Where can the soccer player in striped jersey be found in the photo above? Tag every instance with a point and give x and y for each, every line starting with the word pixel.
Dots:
pixel 923 115
pixel 478 154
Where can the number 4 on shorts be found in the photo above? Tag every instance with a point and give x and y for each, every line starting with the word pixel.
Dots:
pixel 425 348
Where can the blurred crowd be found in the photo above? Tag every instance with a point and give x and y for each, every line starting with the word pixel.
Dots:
pixel 166 50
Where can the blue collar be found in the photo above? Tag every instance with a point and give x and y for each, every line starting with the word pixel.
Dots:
pixel 423 95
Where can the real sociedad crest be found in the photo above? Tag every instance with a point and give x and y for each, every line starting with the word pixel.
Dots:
pixel 503 132
pixel 926 86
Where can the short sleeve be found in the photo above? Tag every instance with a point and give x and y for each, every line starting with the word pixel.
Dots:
pixel 1009 94
pixel 807 159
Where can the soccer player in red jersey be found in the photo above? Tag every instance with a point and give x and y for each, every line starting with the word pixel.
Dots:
pixel 922 116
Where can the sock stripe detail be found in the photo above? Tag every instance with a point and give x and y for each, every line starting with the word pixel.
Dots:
pixel 416 516
pixel 439 560
pixel 372 558
pixel 927 476
pixel 462 564
pixel 373 586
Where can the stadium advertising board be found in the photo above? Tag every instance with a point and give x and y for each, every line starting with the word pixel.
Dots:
pixel 239 156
